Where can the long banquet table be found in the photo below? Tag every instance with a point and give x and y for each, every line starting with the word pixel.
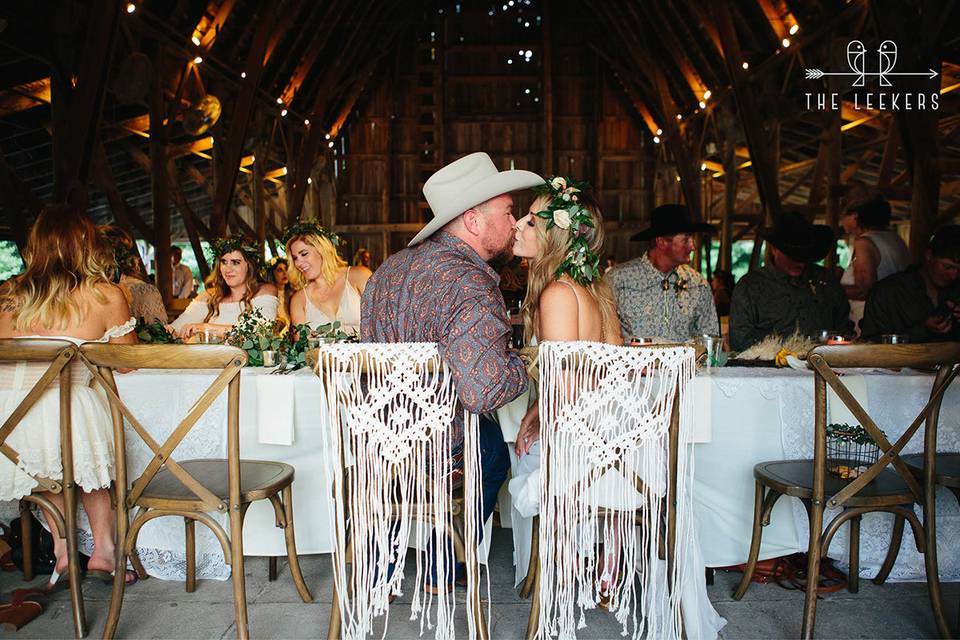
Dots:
pixel 743 416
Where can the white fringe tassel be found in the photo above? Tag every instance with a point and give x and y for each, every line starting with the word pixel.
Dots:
pixel 394 439
pixel 605 417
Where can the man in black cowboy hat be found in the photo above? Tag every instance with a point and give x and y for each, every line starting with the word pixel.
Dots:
pixel 659 295
pixel 790 292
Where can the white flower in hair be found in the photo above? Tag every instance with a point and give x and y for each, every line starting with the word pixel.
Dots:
pixel 558 183
pixel 566 197
pixel 561 218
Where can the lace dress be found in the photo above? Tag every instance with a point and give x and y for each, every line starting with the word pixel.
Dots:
pixel 348 310
pixel 229 312
pixel 37 437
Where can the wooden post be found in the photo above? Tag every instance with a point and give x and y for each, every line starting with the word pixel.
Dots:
pixel 159 184
pixel 189 218
pixel 547 92
pixel 833 149
pixel 728 128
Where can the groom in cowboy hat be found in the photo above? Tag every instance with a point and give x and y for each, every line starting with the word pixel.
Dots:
pixel 659 295
pixel 441 289
pixel 790 293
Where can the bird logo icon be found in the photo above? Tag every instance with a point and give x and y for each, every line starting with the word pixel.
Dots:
pixel 888 59
pixel 856 58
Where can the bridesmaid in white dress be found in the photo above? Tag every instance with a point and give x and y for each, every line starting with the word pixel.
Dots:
pixel 236 287
pixel 65 293
pixel 328 289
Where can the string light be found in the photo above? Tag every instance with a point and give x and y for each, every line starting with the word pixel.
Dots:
pixel 786 42
pixel 283 114
pixel 330 144
pixel 703 166
pixel 195 40
pixel 306 122
pixel 707 94
pixel 703 105
pixel 794 29
pixel 131 7
pixel 326 137
pixel 197 60
pixel 279 100
pixel 243 74
pixel 656 139
pixel 659 131
pixel 309 180
pixel 679 117
pixel 745 65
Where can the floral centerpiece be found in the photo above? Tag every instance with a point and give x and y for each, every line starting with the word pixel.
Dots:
pixel 255 334
pixel 154 333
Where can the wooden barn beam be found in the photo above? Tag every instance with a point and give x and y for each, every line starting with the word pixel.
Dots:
pixel 189 219
pixel 750 115
pixel 890 149
pixel 18 202
pixel 159 181
pixel 215 16
pixel 317 43
pixel 547 81
pixel 239 119
pixel 24 96
pixel 677 51
pixel 125 214
pixel 728 128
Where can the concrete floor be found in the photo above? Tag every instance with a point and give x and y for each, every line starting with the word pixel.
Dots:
pixel 158 609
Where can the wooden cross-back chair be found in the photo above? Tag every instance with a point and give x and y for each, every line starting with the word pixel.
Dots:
pixel 669 501
pixel 191 489
pixel 886 486
pixel 59 354
pixel 338 388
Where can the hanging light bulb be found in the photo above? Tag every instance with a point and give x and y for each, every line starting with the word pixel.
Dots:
pixel 659 131
pixel 283 114
pixel 786 42
pixel 306 122
pixel 703 166
pixel 197 60
pixel 656 139
pixel 703 105
pixel 707 94
pixel 195 40
pixel 745 65
pixel 794 29
pixel 131 7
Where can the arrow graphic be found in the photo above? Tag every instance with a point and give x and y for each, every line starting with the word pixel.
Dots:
pixel 814 74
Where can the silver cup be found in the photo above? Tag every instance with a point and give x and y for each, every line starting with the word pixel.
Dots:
pixel 269 358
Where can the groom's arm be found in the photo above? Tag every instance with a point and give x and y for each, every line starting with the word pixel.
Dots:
pixel 487 376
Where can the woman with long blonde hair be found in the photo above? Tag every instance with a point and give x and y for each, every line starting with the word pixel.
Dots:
pixel 65 293
pixel 328 290
pixel 235 287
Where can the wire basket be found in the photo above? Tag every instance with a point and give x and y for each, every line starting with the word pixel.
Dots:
pixel 850 451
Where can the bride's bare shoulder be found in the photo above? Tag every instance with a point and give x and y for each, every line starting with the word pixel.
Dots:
pixel 559 313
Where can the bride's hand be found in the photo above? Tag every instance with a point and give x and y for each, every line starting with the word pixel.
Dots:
pixel 529 431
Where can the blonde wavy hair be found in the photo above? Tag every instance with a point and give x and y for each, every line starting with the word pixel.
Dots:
pixel 554 244
pixel 331 265
pixel 217 287
pixel 66 261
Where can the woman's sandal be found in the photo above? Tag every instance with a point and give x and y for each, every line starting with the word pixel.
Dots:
pixel 107 576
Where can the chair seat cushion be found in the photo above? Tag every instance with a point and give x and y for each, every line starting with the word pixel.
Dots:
pixel 795 478
pixel 948 467
pixel 258 479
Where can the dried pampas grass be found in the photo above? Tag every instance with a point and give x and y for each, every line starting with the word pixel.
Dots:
pixel 769 347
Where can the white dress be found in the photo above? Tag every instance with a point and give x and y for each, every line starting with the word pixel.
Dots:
pixel 228 313
pixel 37 437
pixel 348 311
pixel 894 258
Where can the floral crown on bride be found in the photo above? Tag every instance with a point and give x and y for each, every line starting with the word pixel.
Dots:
pixel 565 211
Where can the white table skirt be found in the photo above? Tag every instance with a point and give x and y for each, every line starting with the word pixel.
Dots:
pixel 761 414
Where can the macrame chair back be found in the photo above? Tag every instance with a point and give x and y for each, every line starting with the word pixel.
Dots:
pixel 614 472
pixel 392 407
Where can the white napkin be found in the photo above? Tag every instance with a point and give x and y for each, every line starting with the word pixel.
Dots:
pixel 511 414
pixel 702 414
pixel 275 410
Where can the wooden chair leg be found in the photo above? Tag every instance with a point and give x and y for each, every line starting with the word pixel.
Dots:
pixel 932 567
pixel 895 539
pixel 73 557
pixel 190 532
pixel 292 558
pixel 853 577
pixel 533 622
pixel 813 571
pixel 754 543
pixel 119 576
pixel 27 544
pixel 237 576
pixel 336 622
pixel 272 569
pixel 527 587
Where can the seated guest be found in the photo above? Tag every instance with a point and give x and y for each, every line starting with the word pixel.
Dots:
pixel 362 258
pixel 65 293
pixel 441 289
pixel 790 292
pixel 877 251
pixel 328 290
pixel 921 302
pixel 182 275
pixel 235 287
pixel 659 295
pixel 722 283
pixel 144 299
pixel 278 276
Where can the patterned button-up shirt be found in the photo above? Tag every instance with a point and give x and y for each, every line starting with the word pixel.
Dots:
pixel 675 306
pixel 442 291
pixel 767 301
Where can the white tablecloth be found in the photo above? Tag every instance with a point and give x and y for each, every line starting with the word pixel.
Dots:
pixel 761 414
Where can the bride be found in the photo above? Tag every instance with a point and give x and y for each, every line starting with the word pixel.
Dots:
pixel 568 300
pixel 329 290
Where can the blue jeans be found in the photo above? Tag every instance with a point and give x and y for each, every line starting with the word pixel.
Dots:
pixel 494 464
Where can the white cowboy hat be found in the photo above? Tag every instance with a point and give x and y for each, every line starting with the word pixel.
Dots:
pixel 465 183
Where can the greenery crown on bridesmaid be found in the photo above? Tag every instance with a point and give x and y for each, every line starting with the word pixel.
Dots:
pixel 309 228
pixel 565 211
pixel 223 246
